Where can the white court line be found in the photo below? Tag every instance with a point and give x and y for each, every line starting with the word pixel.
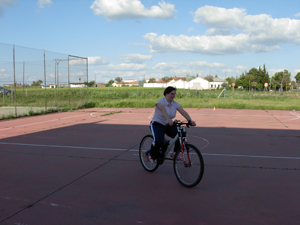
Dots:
pixel 207 142
pixel 135 150
pixel 41 122
pixel 295 114
pixel 27 200
pixel 62 146
pixel 252 156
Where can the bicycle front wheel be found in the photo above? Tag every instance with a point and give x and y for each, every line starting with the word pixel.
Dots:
pixel 145 146
pixel 189 168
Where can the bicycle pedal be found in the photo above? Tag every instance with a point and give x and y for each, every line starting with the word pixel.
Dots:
pixel 160 161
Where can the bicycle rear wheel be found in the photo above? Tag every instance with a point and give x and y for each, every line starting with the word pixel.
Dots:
pixel 189 174
pixel 145 146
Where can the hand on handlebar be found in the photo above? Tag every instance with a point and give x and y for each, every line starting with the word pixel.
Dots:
pixel 192 123
pixel 170 122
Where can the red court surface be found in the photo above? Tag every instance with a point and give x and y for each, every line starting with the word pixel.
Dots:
pixel 82 167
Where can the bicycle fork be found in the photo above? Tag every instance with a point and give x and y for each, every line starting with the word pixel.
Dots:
pixel 186 163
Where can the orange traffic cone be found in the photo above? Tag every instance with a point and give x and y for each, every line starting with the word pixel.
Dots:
pixel 214 108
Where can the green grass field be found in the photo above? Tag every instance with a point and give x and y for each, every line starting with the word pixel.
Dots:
pixel 139 97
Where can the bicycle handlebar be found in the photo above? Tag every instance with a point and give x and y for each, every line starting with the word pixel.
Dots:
pixel 178 122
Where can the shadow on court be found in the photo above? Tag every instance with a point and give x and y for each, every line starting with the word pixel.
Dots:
pixel 90 174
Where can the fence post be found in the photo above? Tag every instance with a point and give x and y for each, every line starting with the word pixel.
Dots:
pixel 14 67
pixel 45 81
pixel 55 85
pixel 87 77
pixel 69 81
pixel 23 83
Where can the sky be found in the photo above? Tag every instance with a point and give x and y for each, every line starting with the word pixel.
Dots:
pixel 137 39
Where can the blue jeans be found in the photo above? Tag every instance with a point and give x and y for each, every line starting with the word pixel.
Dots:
pixel 158 131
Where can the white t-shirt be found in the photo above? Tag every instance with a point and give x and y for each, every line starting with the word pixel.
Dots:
pixel 170 108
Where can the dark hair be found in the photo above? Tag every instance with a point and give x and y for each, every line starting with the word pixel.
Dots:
pixel 169 90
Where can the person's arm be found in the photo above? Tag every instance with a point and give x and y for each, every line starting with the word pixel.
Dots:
pixel 161 107
pixel 186 115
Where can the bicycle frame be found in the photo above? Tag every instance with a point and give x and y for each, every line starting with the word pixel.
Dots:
pixel 182 141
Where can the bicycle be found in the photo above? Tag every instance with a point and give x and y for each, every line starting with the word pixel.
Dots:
pixel 188 169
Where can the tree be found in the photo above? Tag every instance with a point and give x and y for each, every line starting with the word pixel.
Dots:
pixel 152 80
pixel 225 85
pixel 230 80
pixel 249 78
pixel 189 77
pixel 37 83
pixel 118 79
pixel 109 83
pixel 166 79
pixel 90 84
pixel 297 77
pixel 293 83
pixel 209 78
pixel 281 78
pixel 241 81
pixel 263 76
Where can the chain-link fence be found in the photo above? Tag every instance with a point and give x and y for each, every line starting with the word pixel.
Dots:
pixel 34 79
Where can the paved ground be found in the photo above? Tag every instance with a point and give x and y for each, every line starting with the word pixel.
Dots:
pixel 82 168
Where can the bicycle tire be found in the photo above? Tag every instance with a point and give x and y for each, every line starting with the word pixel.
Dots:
pixel 145 145
pixel 189 176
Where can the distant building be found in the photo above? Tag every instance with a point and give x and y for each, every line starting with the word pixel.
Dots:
pixel 129 83
pixel 75 85
pixel 48 86
pixel 217 82
pixel 198 83
pixel 101 85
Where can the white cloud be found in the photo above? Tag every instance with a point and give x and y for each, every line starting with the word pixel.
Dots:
pixel 126 66
pixel 191 29
pixel 135 58
pixel 273 71
pixel 167 66
pixel 219 17
pixel 5 3
pixel 296 71
pixel 198 64
pixel 77 74
pixel 297 15
pixel 216 45
pixel 229 71
pixel 239 67
pixel 231 31
pixel 42 3
pixel 97 60
pixel 2 70
pixel 131 9
pixel 217 31
pixel 92 60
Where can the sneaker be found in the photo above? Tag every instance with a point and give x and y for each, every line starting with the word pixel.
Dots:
pixel 150 159
pixel 148 156
pixel 178 157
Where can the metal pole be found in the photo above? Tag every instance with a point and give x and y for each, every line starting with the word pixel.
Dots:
pixel 69 80
pixel 23 82
pixel 14 67
pixel 55 85
pixel 87 77
pixel 57 77
pixel 45 80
